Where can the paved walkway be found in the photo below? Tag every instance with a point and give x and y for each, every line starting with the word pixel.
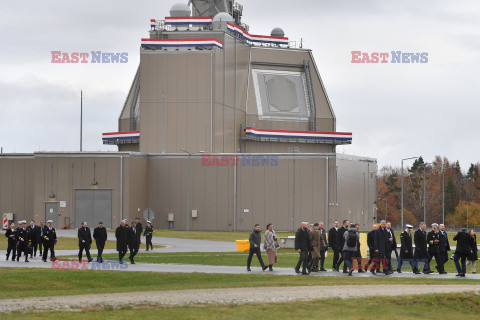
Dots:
pixel 185 268
pixel 222 296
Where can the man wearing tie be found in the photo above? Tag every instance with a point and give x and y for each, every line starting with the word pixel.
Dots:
pixel 100 236
pixel 84 241
pixel 421 252
pixel 435 242
pixel 323 245
pixel 12 241
pixel 134 242
pixel 49 241
pixel 444 250
pixel 41 228
pixel 332 242
pixel 33 236
pixel 381 242
pixel 391 245
pixel 139 228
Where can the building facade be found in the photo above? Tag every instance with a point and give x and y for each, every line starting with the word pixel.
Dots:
pixel 221 129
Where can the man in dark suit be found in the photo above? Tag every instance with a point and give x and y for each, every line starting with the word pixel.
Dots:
pixel 323 245
pixel 406 249
pixel 421 252
pixel 435 241
pixel 84 241
pixel 444 251
pixel 41 229
pixel 49 241
pixel 340 242
pixel 11 242
pixel 381 244
pixel 133 242
pixel 100 236
pixel 462 251
pixel 332 243
pixel 391 245
pixel 34 235
pixel 371 248
pixel 303 245
pixel 139 227
pixel 121 233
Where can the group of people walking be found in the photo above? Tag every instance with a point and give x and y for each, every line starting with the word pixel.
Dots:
pixel 311 244
pixel 128 238
pixel 29 240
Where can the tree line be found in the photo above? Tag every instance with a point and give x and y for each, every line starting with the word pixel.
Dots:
pixel 425 184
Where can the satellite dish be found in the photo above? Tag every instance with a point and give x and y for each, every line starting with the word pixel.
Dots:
pixel 148 215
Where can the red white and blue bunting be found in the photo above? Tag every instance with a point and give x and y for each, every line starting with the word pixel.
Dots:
pixel 146 43
pixel 188 21
pixel 256 38
pixel 121 137
pixel 297 136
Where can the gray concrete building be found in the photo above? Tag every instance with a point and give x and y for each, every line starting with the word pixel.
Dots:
pixel 221 129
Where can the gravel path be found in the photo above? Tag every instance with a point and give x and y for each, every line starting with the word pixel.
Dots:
pixel 222 296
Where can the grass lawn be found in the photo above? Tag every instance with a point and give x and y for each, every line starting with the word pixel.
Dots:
pixel 445 306
pixel 25 282
pixel 72 244
pixel 287 258
pixel 212 235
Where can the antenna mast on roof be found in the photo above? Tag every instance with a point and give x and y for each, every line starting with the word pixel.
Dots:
pixel 210 8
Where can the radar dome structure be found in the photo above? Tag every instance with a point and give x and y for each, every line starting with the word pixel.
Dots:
pixel 278 32
pixel 223 17
pixel 180 10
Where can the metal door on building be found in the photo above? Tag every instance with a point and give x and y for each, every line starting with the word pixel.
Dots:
pixel 51 211
pixel 93 206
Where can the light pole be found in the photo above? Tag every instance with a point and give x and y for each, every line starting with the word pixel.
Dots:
pixel 402 183
pixel 386 206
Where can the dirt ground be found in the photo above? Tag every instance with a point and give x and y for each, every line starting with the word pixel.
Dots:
pixel 222 296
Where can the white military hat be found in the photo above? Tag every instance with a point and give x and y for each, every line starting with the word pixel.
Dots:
pixel 20 222
pixel 148 221
pixel 409 226
pixel 24 221
pixel 50 221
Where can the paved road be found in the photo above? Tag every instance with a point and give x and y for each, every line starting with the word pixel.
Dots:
pixel 221 296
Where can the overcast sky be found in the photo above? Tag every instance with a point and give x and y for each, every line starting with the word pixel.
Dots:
pixel 394 110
